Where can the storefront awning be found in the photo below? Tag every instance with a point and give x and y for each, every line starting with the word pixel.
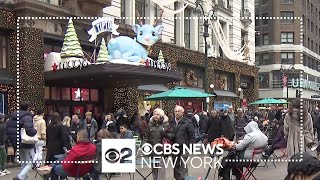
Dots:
pixel 110 75
pixel 153 87
pixel 6 77
pixel 225 93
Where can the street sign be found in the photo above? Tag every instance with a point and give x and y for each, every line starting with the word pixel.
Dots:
pixel 315 96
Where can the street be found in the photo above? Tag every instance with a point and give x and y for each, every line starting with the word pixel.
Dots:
pixel 261 173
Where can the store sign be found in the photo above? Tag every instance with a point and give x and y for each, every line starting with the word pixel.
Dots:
pixel 102 25
pixel 73 64
pixel 158 64
pixel 303 83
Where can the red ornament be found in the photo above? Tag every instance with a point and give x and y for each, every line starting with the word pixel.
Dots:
pixel 54 67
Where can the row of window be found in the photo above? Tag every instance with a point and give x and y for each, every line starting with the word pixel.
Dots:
pixel 267 59
pixel 71 94
pixel 311 8
pixel 265 2
pixel 311 62
pixel 287 17
pixel 285 38
pixel 276 80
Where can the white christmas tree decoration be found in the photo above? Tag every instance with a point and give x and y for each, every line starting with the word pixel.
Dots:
pixel 160 57
pixel 103 55
pixel 71 46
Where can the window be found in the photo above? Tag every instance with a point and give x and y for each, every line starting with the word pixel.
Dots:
pixel 265 21
pixel 140 7
pixel 287 17
pixel 316 30
pixel 287 38
pixel 4 49
pixel 265 39
pixel 223 81
pixel 287 1
pixel 192 76
pixel 263 2
pixel 3 103
pixel 176 23
pixel 312 27
pixel 123 11
pixel 287 58
pixel 308 24
pixel 264 80
pixel 305 60
pixel 311 45
pixel 264 59
pixel 187 26
pixel 311 8
pixel 55 93
pixel 66 94
pixel 256 20
pixel 257 40
pixel 155 10
pixel 94 95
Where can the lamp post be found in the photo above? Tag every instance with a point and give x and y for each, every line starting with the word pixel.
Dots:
pixel 200 12
pixel 284 71
pixel 240 96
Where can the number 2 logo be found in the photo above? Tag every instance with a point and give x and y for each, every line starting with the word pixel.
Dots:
pixel 114 156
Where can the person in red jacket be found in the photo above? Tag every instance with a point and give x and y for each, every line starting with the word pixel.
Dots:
pixel 79 152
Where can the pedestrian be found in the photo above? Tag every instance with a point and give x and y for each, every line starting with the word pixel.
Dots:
pixel 109 123
pixel 102 134
pixel 158 129
pixel 292 128
pixel 76 126
pixel 184 135
pixel 57 138
pixel 227 129
pixel 90 124
pixel 316 122
pixel 3 154
pixel 214 126
pixel 125 133
pixel 26 151
pixel 40 125
pixel 241 121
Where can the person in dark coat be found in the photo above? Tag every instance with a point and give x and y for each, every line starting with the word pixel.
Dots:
pixel 226 127
pixel 122 119
pixel 26 151
pixel 214 126
pixel 76 126
pixel 279 141
pixel 57 138
pixel 109 123
pixel 203 122
pixel 184 135
pixel 240 122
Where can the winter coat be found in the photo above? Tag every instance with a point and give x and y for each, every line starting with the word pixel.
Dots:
pixel 239 126
pixel 254 139
pixel 316 119
pixel 292 132
pixel 80 150
pixel 92 130
pixel 25 121
pixel 76 127
pixel 203 123
pixel 57 138
pixel 2 133
pixel 227 128
pixel 110 126
pixel 214 128
pixel 41 127
pixel 156 131
pixel 127 135
pixel 183 131
pixel 144 126
pixel 280 141
pixel 98 166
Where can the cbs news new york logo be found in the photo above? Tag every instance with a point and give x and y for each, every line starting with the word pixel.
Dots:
pixel 118 155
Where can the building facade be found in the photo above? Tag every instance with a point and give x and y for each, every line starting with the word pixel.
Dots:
pixel 181 42
pixel 186 34
pixel 282 52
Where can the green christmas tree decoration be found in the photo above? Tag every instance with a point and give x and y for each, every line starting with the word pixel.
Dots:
pixel 160 57
pixel 71 46
pixel 103 55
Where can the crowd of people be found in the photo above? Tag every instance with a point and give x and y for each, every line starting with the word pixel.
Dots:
pixel 66 139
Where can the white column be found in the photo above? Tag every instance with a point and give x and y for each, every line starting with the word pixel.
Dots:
pixel 194 38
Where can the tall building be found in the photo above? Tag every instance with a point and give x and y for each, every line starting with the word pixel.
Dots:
pixel 185 34
pixel 280 48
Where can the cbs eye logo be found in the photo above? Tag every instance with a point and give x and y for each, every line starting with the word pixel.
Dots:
pixel 114 156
